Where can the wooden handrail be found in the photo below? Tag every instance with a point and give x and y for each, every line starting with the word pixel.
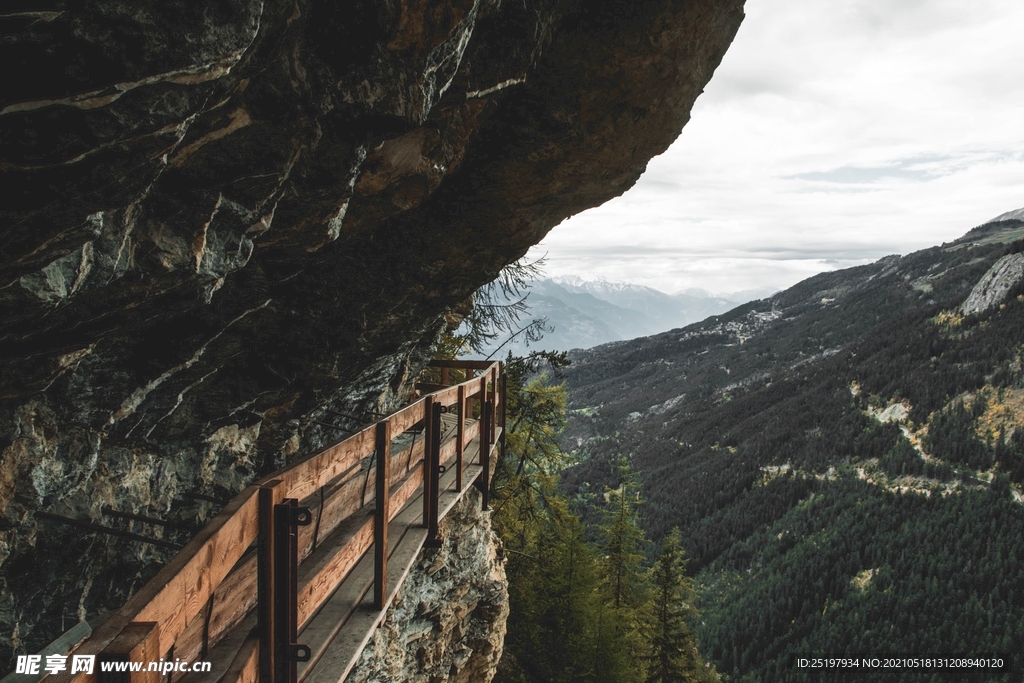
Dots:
pixel 464 364
pixel 210 585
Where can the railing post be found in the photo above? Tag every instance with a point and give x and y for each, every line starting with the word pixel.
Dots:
pixel 504 396
pixel 504 413
pixel 444 375
pixel 288 516
pixel 494 402
pixel 460 433
pixel 277 584
pixel 429 436
pixel 433 459
pixel 382 515
pixel 484 481
pixel 483 401
pixel 282 583
pixel 269 495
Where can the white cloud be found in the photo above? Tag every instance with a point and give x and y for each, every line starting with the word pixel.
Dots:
pixel 833 133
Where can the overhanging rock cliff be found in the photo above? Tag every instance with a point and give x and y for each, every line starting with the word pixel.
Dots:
pixel 221 219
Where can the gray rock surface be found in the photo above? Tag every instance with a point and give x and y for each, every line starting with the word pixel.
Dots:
pixel 995 285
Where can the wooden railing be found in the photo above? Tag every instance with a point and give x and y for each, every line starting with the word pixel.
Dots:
pixel 248 557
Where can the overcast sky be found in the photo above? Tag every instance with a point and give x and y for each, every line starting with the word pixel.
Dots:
pixel 834 132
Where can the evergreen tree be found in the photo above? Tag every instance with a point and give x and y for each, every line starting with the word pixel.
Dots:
pixel 554 581
pixel 673 657
pixel 625 590
pixel 566 585
pixel 622 541
pixel 616 652
pixel 564 625
pixel 524 476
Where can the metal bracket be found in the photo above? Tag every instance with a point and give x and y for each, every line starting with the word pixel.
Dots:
pixel 300 516
pixel 299 652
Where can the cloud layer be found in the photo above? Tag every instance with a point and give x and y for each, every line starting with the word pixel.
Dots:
pixel 832 134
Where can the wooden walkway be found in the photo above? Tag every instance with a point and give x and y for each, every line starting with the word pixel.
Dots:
pixel 289 581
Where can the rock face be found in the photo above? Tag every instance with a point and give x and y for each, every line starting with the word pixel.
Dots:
pixel 220 220
pixel 448 621
pixel 995 285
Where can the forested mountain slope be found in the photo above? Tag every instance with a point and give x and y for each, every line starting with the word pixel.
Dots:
pixel 845 459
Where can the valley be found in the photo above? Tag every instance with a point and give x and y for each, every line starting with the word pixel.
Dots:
pixel 845 459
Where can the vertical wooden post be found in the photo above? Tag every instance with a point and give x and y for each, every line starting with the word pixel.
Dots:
pixel 483 401
pixel 429 436
pixel 484 481
pixel 460 433
pixel 444 376
pixel 269 496
pixel 284 579
pixel 504 395
pixel 277 562
pixel 493 400
pixel 504 415
pixel 382 515
pixel 288 516
pixel 139 641
pixel 433 458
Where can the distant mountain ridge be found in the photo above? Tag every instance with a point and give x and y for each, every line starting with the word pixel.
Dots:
pixel 1015 215
pixel 608 289
pixel 586 313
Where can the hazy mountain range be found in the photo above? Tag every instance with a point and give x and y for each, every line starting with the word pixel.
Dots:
pixel 586 313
